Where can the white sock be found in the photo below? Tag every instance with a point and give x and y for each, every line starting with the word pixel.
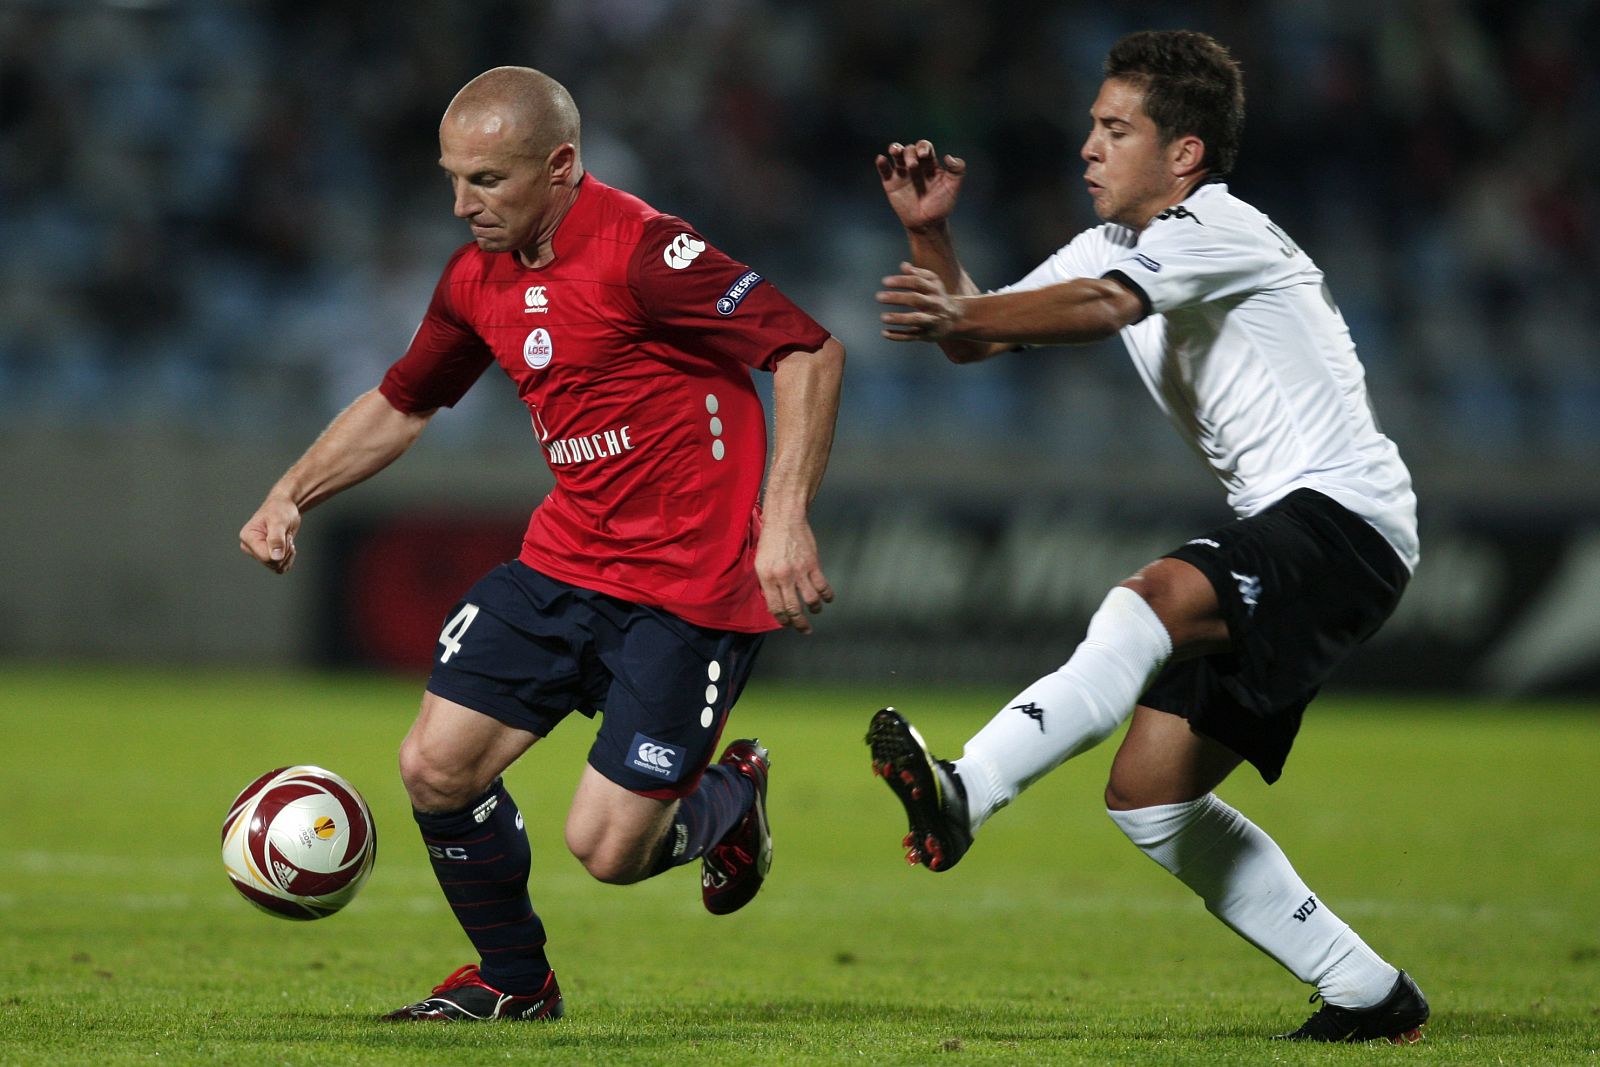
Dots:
pixel 1070 711
pixel 1247 882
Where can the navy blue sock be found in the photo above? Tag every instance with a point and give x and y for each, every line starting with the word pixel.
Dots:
pixel 705 816
pixel 481 857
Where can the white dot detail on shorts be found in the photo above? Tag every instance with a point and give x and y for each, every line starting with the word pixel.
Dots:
pixel 711 694
pixel 711 403
pixel 705 718
pixel 718 450
pixel 716 426
pixel 714 670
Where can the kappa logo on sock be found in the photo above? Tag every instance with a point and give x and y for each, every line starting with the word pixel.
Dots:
pixel 1303 912
pixel 651 756
pixel 1032 711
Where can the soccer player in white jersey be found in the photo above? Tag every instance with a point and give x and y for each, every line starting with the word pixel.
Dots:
pixel 1215 649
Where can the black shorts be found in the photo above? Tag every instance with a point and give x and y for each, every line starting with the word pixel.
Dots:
pixel 529 650
pixel 1300 585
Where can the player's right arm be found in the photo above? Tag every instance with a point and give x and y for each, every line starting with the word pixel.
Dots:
pixel 362 440
pixel 923 190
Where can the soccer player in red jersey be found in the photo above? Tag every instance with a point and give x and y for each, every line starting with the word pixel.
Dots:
pixel 648 576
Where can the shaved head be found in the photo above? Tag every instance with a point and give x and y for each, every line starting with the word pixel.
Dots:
pixel 527 108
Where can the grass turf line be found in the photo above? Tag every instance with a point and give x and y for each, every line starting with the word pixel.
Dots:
pixel 1460 839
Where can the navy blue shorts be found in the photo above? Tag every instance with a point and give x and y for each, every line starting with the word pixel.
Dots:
pixel 528 651
pixel 1300 584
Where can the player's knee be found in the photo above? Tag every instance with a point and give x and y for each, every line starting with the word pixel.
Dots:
pixel 1119 797
pixel 605 860
pixel 1182 598
pixel 432 786
pixel 1128 787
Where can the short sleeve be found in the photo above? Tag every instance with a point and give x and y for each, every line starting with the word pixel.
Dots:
pixel 1181 260
pixel 444 358
pixel 1088 255
pixel 720 306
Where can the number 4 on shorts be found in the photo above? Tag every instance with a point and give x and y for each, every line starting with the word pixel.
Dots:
pixel 450 636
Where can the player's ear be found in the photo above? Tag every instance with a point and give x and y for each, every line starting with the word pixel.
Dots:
pixel 562 164
pixel 1188 154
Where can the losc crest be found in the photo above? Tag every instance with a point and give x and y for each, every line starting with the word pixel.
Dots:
pixel 537 349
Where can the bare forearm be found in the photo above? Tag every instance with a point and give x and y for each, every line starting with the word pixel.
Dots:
pixel 362 440
pixel 934 248
pixel 805 397
pixel 1075 312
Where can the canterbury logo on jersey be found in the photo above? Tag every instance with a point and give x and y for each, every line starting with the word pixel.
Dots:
pixel 681 250
pixel 653 757
pixel 536 299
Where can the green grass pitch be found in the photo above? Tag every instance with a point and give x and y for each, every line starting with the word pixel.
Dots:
pixel 1461 839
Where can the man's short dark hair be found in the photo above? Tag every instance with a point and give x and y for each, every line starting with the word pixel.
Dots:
pixel 1192 85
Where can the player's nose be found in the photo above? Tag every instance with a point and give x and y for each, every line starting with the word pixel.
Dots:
pixel 466 205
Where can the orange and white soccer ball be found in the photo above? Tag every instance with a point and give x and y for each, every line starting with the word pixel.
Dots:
pixel 299 842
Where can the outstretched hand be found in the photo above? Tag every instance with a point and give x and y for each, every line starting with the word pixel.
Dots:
pixel 921 190
pixel 927 311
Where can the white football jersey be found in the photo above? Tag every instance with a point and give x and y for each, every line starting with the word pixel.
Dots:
pixel 1246 352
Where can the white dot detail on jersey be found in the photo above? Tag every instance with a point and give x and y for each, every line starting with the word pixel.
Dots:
pixel 706 717
pixel 711 694
pixel 716 426
pixel 717 450
pixel 711 403
pixel 714 671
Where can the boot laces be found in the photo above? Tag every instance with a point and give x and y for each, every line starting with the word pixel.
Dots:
pixel 461 976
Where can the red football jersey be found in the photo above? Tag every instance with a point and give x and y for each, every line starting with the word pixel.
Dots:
pixel 632 350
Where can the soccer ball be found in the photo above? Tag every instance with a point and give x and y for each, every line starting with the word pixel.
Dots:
pixel 299 842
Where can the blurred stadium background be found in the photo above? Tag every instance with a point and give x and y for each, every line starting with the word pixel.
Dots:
pixel 220 220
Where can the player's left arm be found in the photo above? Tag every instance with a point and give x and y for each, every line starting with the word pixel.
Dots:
pixel 805 397
pixel 1072 312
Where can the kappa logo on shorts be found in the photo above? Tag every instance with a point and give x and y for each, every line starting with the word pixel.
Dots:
pixel 1249 590
pixel 651 756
